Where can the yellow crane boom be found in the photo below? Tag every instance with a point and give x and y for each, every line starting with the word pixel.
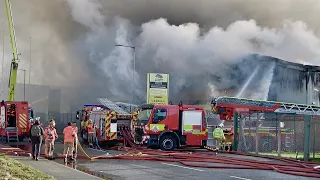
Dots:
pixel 15 60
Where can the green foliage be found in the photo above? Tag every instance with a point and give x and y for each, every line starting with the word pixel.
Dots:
pixel 14 170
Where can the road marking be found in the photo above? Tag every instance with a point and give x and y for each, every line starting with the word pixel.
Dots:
pixel 183 167
pixel 140 166
pixel 240 178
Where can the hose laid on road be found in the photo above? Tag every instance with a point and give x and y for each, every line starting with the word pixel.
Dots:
pixel 202 159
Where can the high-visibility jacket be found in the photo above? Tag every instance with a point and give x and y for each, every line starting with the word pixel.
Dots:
pixel 82 125
pixel 90 128
pixel 218 133
pixel 50 133
pixel 86 124
pixel 69 134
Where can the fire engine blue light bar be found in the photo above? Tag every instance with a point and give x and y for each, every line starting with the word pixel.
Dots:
pixel 98 105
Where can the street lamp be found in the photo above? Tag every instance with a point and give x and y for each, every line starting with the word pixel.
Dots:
pixel 134 66
pixel 24 83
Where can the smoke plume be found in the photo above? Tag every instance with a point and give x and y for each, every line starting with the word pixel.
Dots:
pixel 195 41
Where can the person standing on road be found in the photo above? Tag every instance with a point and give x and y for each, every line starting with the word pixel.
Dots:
pixel 218 135
pixel 75 129
pixel 82 128
pixel 50 134
pixel 230 139
pixel 90 129
pixel 69 135
pixel 36 133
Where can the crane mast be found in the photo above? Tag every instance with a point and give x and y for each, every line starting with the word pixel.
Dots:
pixel 15 60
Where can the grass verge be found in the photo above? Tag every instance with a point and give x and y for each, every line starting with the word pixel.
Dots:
pixel 315 160
pixel 290 155
pixel 14 170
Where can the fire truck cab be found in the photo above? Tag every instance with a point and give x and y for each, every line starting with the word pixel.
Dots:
pixel 15 119
pixel 171 126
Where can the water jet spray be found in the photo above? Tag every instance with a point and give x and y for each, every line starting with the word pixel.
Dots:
pixel 244 87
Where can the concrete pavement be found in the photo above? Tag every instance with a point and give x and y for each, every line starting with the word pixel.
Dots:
pixel 59 171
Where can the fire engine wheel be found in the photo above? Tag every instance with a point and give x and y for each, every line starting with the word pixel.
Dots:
pixel 167 143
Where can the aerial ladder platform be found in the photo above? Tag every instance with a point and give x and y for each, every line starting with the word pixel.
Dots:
pixel 227 106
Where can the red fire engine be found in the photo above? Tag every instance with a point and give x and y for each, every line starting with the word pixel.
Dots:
pixel 108 122
pixel 171 126
pixel 225 107
pixel 14 118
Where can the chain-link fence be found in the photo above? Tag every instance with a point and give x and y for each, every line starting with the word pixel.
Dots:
pixel 282 135
pixel 315 141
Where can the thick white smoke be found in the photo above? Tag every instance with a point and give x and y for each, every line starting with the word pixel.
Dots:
pixel 186 52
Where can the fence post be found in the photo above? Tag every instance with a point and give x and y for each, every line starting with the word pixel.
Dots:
pixel 279 137
pixel 236 131
pixel 314 140
pixel 257 134
pixel 307 127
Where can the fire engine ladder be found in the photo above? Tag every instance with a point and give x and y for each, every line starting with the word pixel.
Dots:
pixel 299 109
pixel 112 106
pixel 12 134
pixel 126 106
pixel 284 107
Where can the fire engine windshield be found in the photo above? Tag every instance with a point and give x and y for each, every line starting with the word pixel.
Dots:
pixel 144 116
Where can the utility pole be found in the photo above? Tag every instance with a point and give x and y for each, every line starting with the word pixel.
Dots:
pixel 30 52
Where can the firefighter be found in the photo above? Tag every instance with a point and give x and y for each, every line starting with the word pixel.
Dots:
pixel 90 130
pixel 69 135
pixel 218 135
pixel 82 127
pixel 50 134
pixel 230 138
pixel 75 150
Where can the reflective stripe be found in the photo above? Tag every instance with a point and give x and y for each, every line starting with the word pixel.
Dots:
pixel 157 127
pixel 187 127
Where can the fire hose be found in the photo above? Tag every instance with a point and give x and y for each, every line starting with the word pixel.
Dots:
pixel 137 152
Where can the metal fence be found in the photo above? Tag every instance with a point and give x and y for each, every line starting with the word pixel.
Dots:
pixel 283 135
pixel 315 141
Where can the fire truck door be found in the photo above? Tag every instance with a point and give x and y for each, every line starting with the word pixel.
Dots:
pixel 192 126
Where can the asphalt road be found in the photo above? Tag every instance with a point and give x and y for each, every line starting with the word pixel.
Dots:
pixel 151 170
pixel 140 170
